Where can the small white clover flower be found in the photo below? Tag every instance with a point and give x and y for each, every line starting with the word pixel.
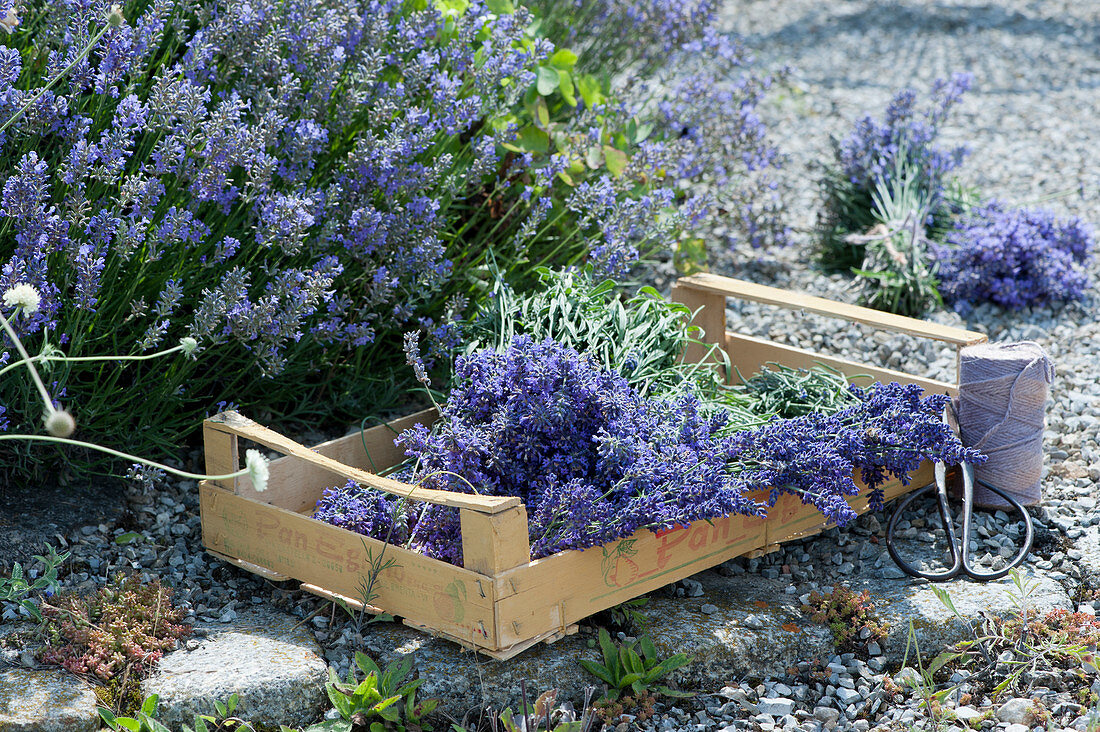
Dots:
pixel 10 19
pixel 190 346
pixel 257 469
pixel 23 295
pixel 60 423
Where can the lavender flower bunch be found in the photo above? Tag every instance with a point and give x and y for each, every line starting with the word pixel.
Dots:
pixel 1014 258
pixel 594 461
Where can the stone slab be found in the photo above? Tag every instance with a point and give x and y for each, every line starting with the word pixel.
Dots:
pixel 34 700
pixel 271 661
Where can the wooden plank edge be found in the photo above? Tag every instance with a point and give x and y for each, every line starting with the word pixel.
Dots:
pixel 233 423
pixel 498 654
pixel 790 300
pixel 268 574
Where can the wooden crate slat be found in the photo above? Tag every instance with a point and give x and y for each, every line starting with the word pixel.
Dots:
pixel 750 354
pixel 455 600
pixel 729 287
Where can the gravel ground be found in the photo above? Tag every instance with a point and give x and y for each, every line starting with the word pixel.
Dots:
pixel 1031 123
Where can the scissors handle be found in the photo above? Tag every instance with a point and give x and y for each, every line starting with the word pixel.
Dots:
pixel 960 552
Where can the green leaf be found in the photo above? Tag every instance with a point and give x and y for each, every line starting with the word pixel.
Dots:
pixel 629 679
pixel 542 113
pixel 532 139
pixel 108 717
pixel 665 691
pixel 149 706
pixel 565 86
pixel 589 89
pixel 200 724
pixel 648 649
pixel 615 159
pixel 500 7
pixel 129 723
pixel 593 157
pixel 563 59
pixel 366 665
pixel 600 672
pixel 128 537
pixel 610 652
pixel 547 80
pixel 153 724
pixel 943 597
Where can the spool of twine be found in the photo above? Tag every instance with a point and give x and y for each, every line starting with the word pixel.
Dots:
pixel 1003 391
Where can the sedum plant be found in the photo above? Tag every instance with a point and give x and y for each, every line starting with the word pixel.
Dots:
pixel 126 626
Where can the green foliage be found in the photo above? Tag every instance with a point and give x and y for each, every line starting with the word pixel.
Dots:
pixel 1009 653
pixel 640 337
pixel 787 392
pixel 16 589
pixel 847 614
pixel 897 272
pixel 125 626
pixel 634 668
pixel 145 721
pixel 382 700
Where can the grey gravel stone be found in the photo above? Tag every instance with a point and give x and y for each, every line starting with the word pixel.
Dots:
pixel 1017 711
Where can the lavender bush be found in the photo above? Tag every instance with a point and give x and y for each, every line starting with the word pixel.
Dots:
pixel 1014 258
pixel 873 153
pixel 594 461
pixel 291 183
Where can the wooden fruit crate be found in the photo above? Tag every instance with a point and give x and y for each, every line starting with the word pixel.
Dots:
pixel 502 602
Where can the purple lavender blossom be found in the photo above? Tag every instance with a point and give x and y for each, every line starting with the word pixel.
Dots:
pixel 1014 258
pixel 594 461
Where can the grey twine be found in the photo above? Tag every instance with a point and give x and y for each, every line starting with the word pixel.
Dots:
pixel 1003 391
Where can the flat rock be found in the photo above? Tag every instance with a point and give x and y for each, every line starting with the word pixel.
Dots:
pixel 268 659
pixel 756 629
pixel 51 700
pixel 1089 544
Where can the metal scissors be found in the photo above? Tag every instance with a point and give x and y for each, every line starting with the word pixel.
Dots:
pixel 960 553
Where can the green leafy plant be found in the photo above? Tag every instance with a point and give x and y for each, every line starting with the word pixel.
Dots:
pixel 634 668
pixel 847 614
pixel 897 271
pixel 641 337
pixel 17 588
pixel 785 392
pixel 145 720
pixel 383 700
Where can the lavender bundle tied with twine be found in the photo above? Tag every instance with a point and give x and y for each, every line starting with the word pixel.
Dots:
pixel 1003 389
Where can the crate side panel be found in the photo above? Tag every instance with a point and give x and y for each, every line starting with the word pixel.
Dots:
pixel 750 354
pixel 451 599
pixel 791 519
pixel 564 588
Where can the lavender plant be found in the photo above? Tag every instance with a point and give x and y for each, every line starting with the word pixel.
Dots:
pixel 594 461
pixel 289 183
pixel 906 141
pixel 1014 258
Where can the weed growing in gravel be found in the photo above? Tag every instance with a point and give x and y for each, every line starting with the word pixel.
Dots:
pixel 848 615
pixel 145 718
pixel 17 590
pixel 630 673
pixel 382 700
